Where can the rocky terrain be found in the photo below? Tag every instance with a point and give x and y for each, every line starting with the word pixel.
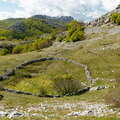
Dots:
pixel 87 109
pixel 105 19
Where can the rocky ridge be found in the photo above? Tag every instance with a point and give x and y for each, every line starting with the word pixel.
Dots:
pixel 105 19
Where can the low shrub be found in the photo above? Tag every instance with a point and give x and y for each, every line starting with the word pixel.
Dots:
pixel 115 18
pixel 17 49
pixel 75 31
pixel 4 51
pixel 60 38
pixel 43 91
pixel 2 38
pixel 41 43
pixel 36 45
pixel 67 85
pixel 77 36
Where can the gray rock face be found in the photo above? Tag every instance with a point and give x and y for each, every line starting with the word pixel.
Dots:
pixel 105 19
pixel 52 20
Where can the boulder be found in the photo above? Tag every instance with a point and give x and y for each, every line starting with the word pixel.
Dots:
pixel 97 88
pixel 3 114
pixel 15 114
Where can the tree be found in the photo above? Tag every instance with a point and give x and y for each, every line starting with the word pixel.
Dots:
pixel 75 31
pixel 115 18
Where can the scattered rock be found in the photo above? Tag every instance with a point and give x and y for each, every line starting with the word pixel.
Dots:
pixel 3 114
pixel 38 115
pixel 98 88
pixel 97 110
pixel 87 109
pixel 15 114
pixel 84 113
pixel 105 19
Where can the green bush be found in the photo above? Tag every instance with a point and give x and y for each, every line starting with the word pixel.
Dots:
pixel 75 32
pixel 41 43
pixel 2 38
pixel 67 85
pixel 28 48
pixel 61 37
pixel 115 18
pixel 18 49
pixel 4 51
pixel 77 36
pixel 43 91
pixel 36 45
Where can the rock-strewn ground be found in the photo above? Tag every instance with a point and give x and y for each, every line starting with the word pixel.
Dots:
pixel 48 111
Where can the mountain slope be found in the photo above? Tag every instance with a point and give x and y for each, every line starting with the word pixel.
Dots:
pixel 34 26
pixel 100 52
pixel 98 55
pixel 105 19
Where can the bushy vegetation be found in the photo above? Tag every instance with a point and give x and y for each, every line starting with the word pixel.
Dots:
pixel 26 29
pixel 18 49
pixel 4 51
pixel 61 37
pixel 115 18
pixel 33 28
pixel 67 85
pixel 75 31
pixel 30 28
pixel 36 45
pixel 42 43
pixel 38 33
pixel 4 34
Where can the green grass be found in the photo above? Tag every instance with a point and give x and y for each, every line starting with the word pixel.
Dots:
pixel 43 76
pixel 23 102
pixel 102 64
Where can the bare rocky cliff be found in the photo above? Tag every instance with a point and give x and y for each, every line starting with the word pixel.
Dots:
pixel 105 19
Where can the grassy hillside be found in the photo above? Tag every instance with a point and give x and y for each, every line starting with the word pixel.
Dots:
pixel 31 28
pixel 100 52
pixel 34 34
pixel 8 22
pixel 94 52
pixel 101 56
